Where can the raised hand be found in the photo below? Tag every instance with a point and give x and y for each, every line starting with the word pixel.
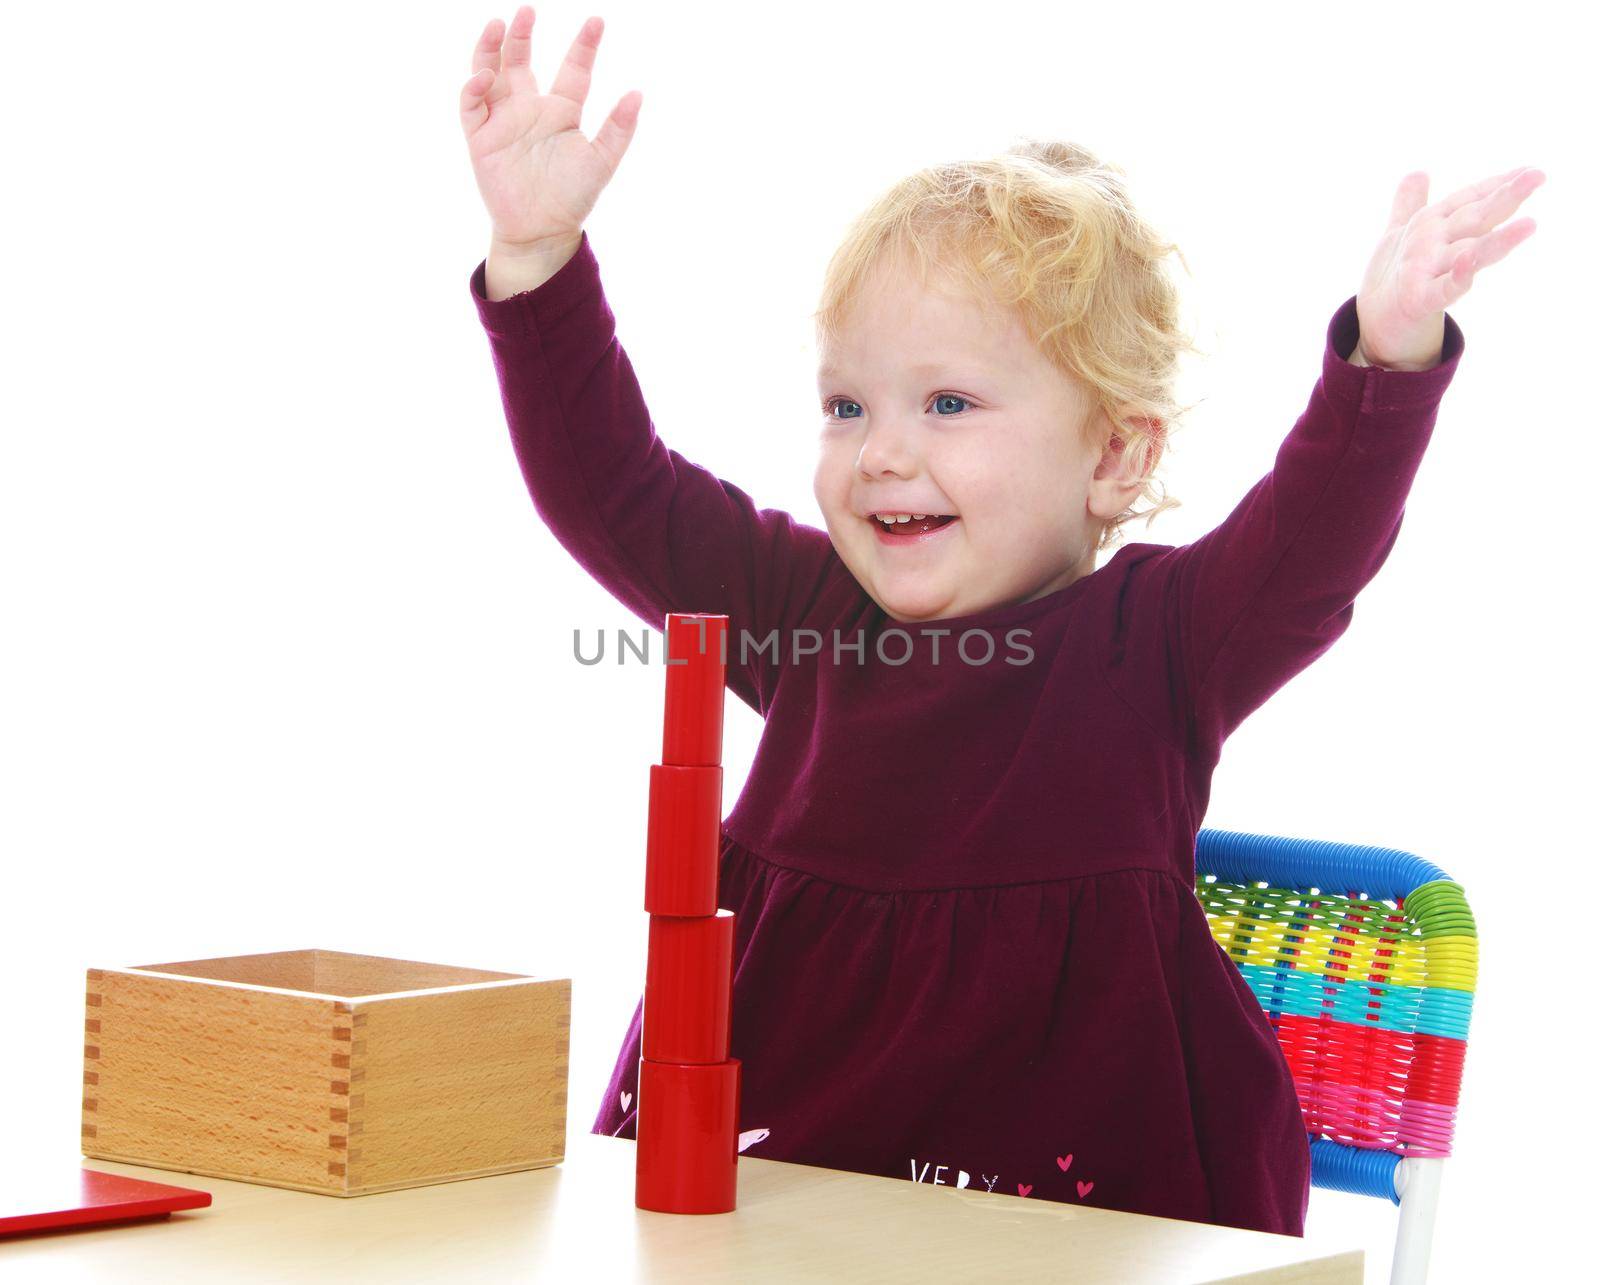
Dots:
pixel 1427 259
pixel 538 175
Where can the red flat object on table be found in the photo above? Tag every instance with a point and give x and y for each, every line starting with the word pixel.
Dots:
pixel 75 1197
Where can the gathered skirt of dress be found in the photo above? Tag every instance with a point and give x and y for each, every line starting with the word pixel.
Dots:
pixel 1082 1040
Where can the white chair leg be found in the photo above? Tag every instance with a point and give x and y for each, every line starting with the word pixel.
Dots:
pixel 1416 1181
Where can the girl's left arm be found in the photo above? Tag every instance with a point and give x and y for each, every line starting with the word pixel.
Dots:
pixel 1240 611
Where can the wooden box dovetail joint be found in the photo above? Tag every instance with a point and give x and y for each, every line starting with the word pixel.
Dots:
pixel 325 1071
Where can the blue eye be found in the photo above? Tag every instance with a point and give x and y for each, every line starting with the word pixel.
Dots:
pixel 828 405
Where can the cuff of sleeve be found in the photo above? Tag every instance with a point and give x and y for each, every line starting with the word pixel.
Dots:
pixel 524 313
pixel 1373 389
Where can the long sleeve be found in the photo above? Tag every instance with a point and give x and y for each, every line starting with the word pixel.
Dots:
pixel 1234 615
pixel 659 532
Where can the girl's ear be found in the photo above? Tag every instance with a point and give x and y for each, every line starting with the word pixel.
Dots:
pixel 1115 486
pixel 1112 460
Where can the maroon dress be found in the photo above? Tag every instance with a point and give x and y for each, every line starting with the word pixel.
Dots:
pixel 968 949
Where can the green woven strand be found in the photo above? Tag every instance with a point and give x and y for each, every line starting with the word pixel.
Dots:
pixel 1440 909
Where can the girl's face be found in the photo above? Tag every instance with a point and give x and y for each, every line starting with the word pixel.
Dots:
pixel 934 406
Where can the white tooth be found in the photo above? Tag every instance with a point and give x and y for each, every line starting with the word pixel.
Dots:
pixel 903 517
pixel 919 516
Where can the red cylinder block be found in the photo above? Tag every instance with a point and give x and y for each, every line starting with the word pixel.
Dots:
pixel 688 988
pixel 684 840
pixel 697 658
pixel 688 1122
pixel 687 1159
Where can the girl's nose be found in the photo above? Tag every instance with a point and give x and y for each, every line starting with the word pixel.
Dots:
pixel 887 449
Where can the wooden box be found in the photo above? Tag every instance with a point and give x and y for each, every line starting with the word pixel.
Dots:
pixel 325 1071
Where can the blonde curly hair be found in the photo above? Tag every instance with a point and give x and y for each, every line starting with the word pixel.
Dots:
pixel 1048 229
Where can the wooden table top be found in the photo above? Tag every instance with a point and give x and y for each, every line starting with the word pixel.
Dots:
pixel 576 1221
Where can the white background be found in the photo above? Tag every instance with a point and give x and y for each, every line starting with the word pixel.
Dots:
pixel 288 653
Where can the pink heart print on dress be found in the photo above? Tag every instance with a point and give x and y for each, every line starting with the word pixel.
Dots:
pixel 1084 1188
pixel 1064 1163
pixel 626 1098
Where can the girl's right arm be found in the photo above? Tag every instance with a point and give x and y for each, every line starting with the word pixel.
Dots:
pixel 661 533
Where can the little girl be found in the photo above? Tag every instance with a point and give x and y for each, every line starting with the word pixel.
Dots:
pixel 968 947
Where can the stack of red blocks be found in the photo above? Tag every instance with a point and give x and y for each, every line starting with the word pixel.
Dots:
pixel 688 1121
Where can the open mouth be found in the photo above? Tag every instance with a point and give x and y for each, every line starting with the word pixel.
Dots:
pixel 900 528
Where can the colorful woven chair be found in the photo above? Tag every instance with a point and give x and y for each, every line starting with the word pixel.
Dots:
pixel 1365 961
